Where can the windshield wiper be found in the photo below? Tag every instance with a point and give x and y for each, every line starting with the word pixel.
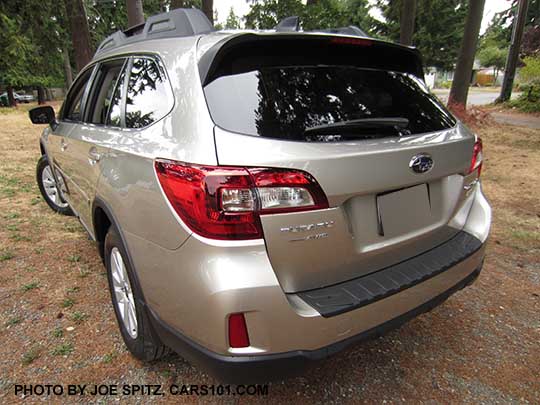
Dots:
pixel 362 124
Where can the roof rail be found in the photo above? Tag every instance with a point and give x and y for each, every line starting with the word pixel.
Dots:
pixel 181 22
pixel 292 24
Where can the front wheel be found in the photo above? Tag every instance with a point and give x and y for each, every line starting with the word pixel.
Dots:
pixel 133 320
pixel 49 189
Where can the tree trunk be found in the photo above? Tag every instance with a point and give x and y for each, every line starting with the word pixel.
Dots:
pixel 177 4
pixel 513 52
pixel 48 94
pixel 463 73
pixel 67 68
pixel 11 98
pixel 135 12
pixel 40 95
pixel 408 14
pixel 80 34
pixel 208 9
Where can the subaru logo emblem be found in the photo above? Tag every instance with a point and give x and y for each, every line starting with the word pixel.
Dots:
pixel 421 163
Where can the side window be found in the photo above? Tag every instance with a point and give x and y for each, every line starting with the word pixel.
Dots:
pixel 72 109
pixel 149 95
pixel 103 92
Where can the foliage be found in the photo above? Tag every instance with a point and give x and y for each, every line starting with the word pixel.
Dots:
pixel 492 57
pixel 530 44
pixel 265 14
pixel 16 53
pixel 530 73
pixel 438 32
pixel 232 22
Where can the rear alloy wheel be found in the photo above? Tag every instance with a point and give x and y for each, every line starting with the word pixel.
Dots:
pixel 127 299
pixel 49 188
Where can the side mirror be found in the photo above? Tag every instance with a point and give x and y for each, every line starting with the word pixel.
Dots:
pixel 43 115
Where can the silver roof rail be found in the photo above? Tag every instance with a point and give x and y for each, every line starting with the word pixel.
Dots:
pixel 182 22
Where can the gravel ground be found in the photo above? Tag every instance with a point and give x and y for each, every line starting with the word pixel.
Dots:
pixel 481 346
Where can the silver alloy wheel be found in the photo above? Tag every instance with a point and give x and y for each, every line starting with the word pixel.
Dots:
pixel 125 302
pixel 49 184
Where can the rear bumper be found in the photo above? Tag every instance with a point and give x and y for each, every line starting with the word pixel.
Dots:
pixel 192 290
pixel 260 368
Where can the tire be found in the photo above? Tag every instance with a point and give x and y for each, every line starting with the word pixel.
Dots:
pixel 49 189
pixel 139 336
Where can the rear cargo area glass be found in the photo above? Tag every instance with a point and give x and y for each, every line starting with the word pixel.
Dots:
pixel 283 101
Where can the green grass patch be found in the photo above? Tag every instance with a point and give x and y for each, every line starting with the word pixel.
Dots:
pixel 68 303
pixel 30 356
pixel 79 316
pixel 74 258
pixel 30 286
pixel 64 349
pixel 13 321
pixel 6 255
pixel 58 332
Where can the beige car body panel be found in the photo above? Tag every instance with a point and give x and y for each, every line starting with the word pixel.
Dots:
pixel 193 283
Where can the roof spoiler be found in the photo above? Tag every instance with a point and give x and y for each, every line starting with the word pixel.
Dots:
pixel 292 24
pixel 182 22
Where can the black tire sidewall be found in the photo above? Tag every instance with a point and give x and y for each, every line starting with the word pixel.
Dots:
pixel 146 346
pixel 43 162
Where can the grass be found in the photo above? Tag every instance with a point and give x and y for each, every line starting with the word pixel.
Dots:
pixel 58 332
pixel 74 258
pixel 73 290
pixel 79 317
pixel 64 349
pixel 17 237
pixel 68 303
pixel 6 255
pixel 108 358
pixel 11 215
pixel 524 235
pixel 30 286
pixel 30 356
pixel 13 321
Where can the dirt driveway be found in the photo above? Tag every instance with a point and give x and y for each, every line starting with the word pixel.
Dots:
pixel 482 345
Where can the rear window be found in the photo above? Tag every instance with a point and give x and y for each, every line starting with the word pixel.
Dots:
pixel 283 101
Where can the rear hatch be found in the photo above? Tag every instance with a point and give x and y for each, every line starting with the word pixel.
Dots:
pixel 356 115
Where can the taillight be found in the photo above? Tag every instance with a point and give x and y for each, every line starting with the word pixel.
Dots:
pixel 238 333
pixel 477 157
pixel 221 202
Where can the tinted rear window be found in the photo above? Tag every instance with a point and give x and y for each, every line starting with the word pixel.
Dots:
pixel 282 102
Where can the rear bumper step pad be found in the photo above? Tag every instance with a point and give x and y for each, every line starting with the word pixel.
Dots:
pixel 343 297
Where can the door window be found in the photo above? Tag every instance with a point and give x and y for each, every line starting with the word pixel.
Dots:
pixel 72 109
pixel 104 95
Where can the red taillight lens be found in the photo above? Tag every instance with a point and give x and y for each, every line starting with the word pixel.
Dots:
pixel 221 202
pixel 238 334
pixel 477 157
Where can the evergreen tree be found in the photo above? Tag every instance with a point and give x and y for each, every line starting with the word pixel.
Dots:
pixel 232 22
pixel 439 28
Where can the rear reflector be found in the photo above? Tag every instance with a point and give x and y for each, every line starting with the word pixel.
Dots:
pixel 225 203
pixel 477 157
pixel 238 334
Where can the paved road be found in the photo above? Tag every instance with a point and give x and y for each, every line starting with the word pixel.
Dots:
pixel 476 96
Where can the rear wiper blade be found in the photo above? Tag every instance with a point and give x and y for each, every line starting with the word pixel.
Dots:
pixel 359 124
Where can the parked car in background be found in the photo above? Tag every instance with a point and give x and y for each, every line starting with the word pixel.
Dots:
pixel 262 200
pixel 19 97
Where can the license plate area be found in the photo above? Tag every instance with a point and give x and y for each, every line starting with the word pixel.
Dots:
pixel 404 211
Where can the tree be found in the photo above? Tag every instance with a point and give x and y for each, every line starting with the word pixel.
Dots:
pixel 135 12
pixel 492 57
pixel 408 14
pixel 265 14
pixel 15 55
pixel 232 22
pixel 513 52
pixel 208 9
pixel 80 34
pixel 530 44
pixel 439 28
pixel 462 75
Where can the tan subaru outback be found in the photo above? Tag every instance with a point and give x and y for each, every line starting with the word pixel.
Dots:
pixel 262 200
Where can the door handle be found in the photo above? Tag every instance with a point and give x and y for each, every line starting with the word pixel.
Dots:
pixel 93 155
pixel 63 144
